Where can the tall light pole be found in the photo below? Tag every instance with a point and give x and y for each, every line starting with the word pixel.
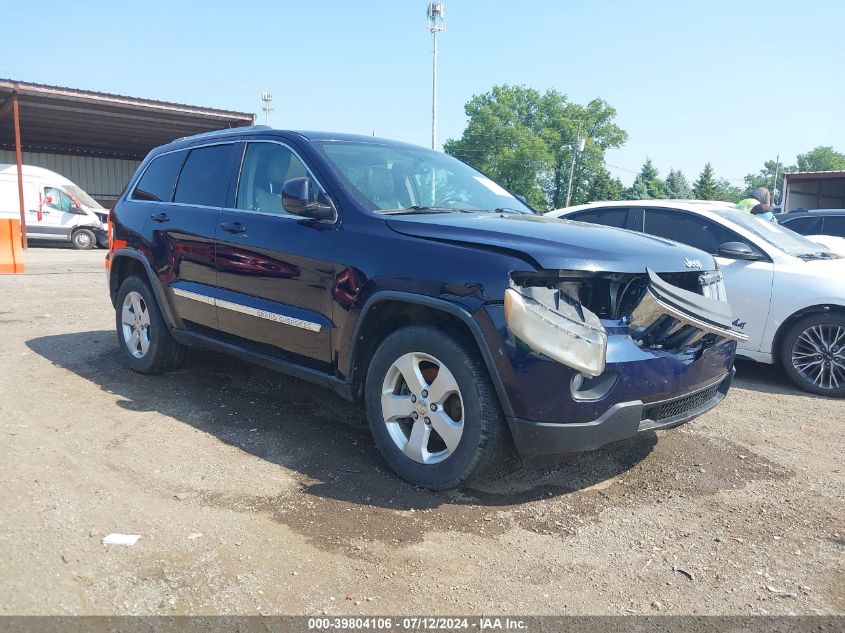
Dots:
pixel 436 24
pixel 577 147
pixel 267 98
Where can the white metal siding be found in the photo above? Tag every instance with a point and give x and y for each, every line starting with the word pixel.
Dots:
pixel 101 178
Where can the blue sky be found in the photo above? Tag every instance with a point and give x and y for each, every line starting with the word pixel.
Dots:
pixel 734 83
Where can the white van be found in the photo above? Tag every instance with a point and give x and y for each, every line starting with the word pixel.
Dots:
pixel 56 209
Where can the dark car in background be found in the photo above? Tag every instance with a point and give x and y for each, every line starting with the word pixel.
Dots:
pixel 402 278
pixel 817 222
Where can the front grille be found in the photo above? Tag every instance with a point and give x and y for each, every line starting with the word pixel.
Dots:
pixel 683 405
pixel 633 290
pixel 630 295
pixel 686 280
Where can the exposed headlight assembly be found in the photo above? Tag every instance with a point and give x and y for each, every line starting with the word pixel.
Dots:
pixel 552 323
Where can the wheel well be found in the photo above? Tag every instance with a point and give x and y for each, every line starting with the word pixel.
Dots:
pixel 385 317
pixel 121 268
pixel 794 318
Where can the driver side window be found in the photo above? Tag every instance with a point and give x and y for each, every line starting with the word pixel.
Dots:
pixel 59 200
pixel 266 167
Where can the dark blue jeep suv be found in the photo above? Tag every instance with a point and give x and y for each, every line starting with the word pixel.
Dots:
pixel 468 324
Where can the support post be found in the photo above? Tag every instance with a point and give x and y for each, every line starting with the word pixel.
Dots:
pixel 434 94
pixel 19 159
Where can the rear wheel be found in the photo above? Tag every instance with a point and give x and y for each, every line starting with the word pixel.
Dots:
pixel 83 239
pixel 813 354
pixel 142 334
pixel 432 410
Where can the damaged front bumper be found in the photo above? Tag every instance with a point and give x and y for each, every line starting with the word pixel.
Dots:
pixel 620 421
pixel 579 382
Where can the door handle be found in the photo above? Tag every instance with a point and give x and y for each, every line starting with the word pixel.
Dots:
pixel 160 217
pixel 233 227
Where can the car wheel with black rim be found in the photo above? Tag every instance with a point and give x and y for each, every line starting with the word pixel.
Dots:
pixel 83 239
pixel 813 354
pixel 432 410
pixel 142 334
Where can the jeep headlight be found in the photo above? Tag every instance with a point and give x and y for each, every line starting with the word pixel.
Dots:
pixel 553 323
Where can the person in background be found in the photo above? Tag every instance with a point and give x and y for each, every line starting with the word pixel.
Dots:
pixel 760 195
pixel 764 212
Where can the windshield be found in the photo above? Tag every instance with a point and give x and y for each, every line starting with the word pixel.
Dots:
pixel 81 197
pixel 404 179
pixel 776 234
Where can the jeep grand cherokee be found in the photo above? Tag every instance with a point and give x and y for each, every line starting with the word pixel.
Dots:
pixel 467 324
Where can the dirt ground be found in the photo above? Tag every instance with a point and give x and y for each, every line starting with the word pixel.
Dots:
pixel 252 496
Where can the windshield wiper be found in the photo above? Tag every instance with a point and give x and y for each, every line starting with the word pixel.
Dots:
pixel 818 255
pixel 416 208
pixel 508 210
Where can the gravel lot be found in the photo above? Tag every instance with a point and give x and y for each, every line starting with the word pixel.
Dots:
pixel 252 496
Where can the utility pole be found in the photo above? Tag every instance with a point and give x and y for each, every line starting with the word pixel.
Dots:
pixel 436 23
pixel 775 183
pixel 577 147
pixel 267 98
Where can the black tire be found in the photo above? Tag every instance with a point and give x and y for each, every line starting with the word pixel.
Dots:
pixel 164 352
pixel 834 353
pixel 83 239
pixel 484 442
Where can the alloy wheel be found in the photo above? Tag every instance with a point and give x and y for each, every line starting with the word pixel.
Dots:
pixel 135 323
pixel 818 355
pixel 422 408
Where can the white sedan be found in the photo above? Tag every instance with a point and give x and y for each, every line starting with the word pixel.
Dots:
pixel 787 292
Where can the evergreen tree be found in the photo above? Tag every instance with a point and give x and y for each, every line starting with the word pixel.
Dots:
pixel 705 188
pixel 604 187
pixel 649 175
pixel 677 186
pixel 637 191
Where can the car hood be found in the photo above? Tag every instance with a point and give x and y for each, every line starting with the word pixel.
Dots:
pixel 556 243
pixel 835 244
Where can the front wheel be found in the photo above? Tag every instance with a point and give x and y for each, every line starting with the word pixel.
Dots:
pixel 813 354
pixel 432 409
pixel 83 239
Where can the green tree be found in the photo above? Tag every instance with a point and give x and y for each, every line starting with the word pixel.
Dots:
pixel 501 140
pixel 524 139
pixel 604 187
pixel 728 192
pixel 649 176
pixel 766 178
pixel 677 186
pixel 706 188
pixel 821 158
pixel 637 191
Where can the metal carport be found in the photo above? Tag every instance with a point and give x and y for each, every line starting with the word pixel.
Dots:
pixel 98 137
pixel 814 190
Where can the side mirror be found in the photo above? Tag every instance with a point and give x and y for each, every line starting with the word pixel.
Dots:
pixel 738 250
pixel 521 198
pixel 76 209
pixel 301 197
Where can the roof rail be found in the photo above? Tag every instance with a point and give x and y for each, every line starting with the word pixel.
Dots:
pixel 223 132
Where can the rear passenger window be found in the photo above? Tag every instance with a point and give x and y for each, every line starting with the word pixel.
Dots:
pixel 617 217
pixel 157 182
pixel 834 225
pixel 204 179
